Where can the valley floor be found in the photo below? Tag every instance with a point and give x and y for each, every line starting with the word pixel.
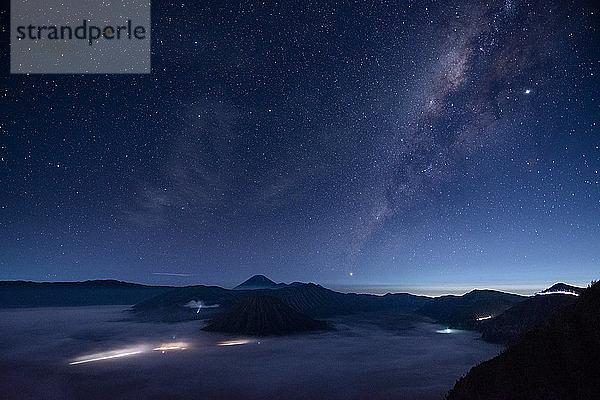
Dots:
pixel 376 357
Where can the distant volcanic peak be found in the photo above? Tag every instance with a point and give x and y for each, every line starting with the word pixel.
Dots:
pixel 263 315
pixel 561 288
pixel 259 282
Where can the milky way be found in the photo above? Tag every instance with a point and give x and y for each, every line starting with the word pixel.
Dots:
pixel 410 143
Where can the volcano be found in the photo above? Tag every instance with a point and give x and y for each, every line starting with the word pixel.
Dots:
pixel 263 315
pixel 258 282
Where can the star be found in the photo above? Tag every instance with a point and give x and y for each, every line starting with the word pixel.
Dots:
pixel 314 127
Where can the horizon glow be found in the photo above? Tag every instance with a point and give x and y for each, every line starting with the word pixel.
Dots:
pixel 400 148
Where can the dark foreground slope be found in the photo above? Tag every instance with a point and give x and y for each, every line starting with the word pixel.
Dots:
pixel 560 360
pixel 72 294
pixel 263 315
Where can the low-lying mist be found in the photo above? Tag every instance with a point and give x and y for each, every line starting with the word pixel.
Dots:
pixel 94 353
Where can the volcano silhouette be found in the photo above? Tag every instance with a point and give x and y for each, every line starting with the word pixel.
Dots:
pixel 263 315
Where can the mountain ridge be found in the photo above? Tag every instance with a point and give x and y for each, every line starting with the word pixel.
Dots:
pixel 465 311
pixel 557 360
pixel 20 294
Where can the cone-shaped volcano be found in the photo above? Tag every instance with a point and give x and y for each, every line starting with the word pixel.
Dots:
pixel 263 316
pixel 258 282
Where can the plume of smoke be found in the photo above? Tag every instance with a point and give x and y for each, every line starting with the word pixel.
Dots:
pixel 199 304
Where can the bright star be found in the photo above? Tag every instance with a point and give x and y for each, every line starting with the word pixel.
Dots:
pixel 527 91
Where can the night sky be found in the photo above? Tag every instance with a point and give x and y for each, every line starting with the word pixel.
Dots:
pixel 394 143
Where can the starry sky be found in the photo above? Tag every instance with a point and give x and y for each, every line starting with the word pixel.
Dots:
pixel 398 143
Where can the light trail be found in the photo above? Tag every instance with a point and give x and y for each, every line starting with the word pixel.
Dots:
pixel 132 351
pixel 233 342
pixel 109 355
pixel 484 318
pixel 199 305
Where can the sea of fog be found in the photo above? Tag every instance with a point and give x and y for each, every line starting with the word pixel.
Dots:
pixel 95 353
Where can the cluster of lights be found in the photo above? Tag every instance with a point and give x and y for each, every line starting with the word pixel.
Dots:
pixel 171 346
pixel 233 342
